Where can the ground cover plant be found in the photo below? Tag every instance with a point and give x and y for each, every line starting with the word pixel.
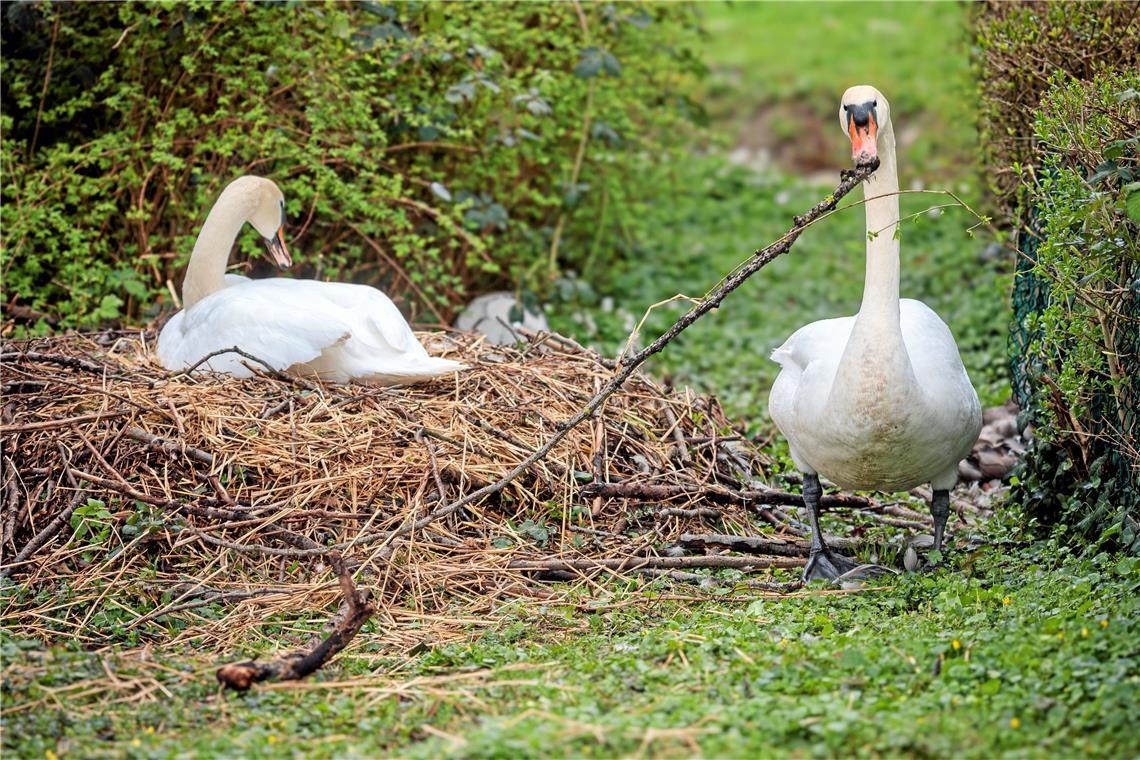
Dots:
pixel 1017 647
pixel 1029 653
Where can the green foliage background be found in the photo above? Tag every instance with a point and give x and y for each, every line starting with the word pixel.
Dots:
pixel 433 149
pixel 1061 119
pixel 1020 45
pixel 1076 337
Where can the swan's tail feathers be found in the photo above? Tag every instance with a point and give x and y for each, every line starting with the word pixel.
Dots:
pixel 415 371
pixel 781 355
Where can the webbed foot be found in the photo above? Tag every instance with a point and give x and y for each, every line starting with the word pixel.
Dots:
pixel 829 565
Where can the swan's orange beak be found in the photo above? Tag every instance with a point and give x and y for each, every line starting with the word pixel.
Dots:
pixel 277 249
pixel 864 145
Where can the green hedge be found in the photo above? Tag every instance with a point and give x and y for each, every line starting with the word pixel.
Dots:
pixel 433 149
pixel 1020 46
pixel 1060 119
pixel 1076 298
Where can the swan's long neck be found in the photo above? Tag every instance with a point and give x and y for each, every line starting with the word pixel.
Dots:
pixel 881 287
pixel 875 367
pixel 206 272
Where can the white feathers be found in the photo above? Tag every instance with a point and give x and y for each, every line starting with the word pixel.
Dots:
pixel 336 331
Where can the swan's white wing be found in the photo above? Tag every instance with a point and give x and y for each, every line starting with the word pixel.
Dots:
pixel 376 321
pixel 382 347
pixel 824 339
pixel 942 376
pixel 274 324
pixel 338 331
pixel 808 359
pixel 930 345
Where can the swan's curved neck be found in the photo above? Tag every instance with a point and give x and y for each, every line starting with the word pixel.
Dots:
pixel 206 272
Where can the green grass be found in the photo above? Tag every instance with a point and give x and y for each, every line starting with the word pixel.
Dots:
pixel 1030 654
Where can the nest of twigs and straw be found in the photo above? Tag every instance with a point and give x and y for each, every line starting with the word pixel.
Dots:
pixel 202 510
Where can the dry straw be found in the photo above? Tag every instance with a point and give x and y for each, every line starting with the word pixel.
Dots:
pixel 222 498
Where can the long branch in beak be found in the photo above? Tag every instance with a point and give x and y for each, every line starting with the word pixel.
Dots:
pixel 277 249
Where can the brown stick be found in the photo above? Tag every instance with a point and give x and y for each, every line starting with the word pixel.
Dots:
pixel 700 512
pixel 296 665
pixel 717 494
pixel 668 563
pixel 63 361
pixel 762 257
pixel 48 533
pixel 269 369
pixel 744 544
pixel 51 424
pixel 207 596
pixel 165 444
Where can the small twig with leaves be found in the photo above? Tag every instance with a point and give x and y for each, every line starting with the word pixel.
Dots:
pixel 761 258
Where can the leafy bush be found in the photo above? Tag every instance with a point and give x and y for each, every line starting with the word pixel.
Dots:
pixel 429 148
pixel 1077 296
pixel 1020 46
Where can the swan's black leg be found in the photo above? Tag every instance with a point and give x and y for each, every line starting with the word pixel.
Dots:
pixel 822 562
pixel 940 510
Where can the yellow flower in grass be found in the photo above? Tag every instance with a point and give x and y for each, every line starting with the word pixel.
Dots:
pixel 1014 723
pixel 1104 623
pixel 1084 632
pixel 956 644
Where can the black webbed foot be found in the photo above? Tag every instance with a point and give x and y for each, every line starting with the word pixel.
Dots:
pixel 829 565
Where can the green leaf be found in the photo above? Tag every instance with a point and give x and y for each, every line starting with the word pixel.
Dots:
pixel 135 288
pixel 589 64
pixel 610 64
pixel 1101 172
pixel 1132 201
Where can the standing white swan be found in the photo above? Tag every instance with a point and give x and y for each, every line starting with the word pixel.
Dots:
pixel 879 401
pixel 337 331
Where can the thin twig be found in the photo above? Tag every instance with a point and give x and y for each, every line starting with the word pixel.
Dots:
pixel 295 666
pixel 759 259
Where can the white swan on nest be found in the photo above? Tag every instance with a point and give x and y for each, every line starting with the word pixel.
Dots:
pixel 336 331
pixel 879 401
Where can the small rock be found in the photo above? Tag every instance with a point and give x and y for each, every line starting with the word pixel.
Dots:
pixel 490 315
